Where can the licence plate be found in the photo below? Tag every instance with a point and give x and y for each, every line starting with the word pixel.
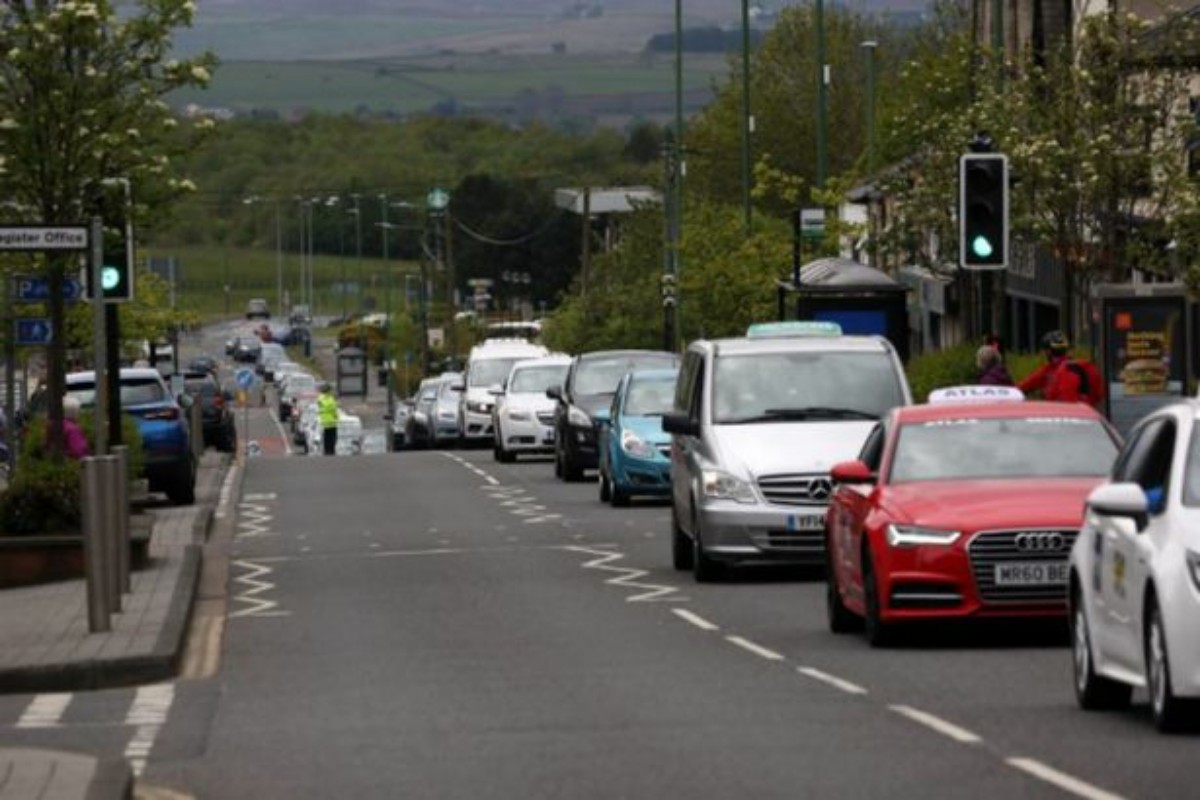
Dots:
pixel 805 522
pixel 1031 573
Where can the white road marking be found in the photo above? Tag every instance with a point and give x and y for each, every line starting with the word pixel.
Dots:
pixel 224 499
pixel 628 577
pixel 695 619
pixel 255 606
pixel 958 734
pixel 254 521
pixel 832 680
pixel 149 713
pixel 287 440
pixel 751 647
pixel 1062 780
pixel 45 711
pixel 260 496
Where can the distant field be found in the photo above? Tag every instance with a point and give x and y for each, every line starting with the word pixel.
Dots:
pixel 412 85
pixel 205 271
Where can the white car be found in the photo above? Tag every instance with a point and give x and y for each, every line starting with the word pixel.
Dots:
pixel 350 435
pixel 523 419
pixel 1135 574
pixel 487 366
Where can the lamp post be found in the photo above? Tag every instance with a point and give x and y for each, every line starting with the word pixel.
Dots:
pixel 870 46
pixel 822 96
pixel 747 119
pixel 357 212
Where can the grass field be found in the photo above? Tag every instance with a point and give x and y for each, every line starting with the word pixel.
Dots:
pixel 204 272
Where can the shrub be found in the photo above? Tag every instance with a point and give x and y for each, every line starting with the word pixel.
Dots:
pixel 951 366
pixel 42 497
pixel 33 442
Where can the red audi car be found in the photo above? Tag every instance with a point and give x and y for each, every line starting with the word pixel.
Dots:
pixel 964 507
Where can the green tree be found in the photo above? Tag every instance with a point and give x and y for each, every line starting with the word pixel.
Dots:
pixel 81 102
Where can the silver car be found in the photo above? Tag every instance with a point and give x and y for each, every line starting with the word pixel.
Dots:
pixel 757 424
pixel 434 419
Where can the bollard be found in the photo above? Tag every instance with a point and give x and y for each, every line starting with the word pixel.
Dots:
pixel 99 611
pixel 196 425
pixel 112 531
pixel 124 581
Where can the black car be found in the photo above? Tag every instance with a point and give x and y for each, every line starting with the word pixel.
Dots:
pixel 247 349
pixel 203 364
pixel 220 431
pixel 584 400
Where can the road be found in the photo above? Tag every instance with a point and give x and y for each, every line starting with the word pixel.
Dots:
pixel 435 624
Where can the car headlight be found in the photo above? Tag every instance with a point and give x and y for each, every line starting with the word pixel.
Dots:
pixel 578 417
pixel 915 536
pixel 635 446
pixel 518 414
pixel 1193 562
pixel 479 407
pixel 723 486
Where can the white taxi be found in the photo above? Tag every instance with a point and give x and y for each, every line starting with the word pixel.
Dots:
pixel 1135 574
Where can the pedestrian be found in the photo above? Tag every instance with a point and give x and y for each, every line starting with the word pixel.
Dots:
pixel 989 365
pixel 327 415
pixel 1062 378
pixel 75 443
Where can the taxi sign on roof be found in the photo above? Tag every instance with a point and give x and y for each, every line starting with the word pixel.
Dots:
pixel 976 394
pixel 760 330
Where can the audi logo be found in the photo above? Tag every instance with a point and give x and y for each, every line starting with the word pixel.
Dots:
pixel 1040 542
pixel 820 489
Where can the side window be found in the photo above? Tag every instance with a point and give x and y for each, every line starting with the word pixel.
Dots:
pixel 569 380
pixel 1134 452
pixel 696 401
pixel 683 386
pixel 1153 471
pixel 872 450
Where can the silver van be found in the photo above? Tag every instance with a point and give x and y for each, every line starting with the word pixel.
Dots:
pixel 757 424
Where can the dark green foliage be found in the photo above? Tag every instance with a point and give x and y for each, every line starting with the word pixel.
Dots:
pixel 951 366
pixel 43 497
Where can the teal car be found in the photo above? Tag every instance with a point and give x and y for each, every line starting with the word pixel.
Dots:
pixel 635 453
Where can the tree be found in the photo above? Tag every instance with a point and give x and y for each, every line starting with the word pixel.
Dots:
pixel 81 102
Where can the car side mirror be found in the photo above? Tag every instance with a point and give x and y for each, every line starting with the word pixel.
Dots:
pixel 554 393
pixel 458 387
pixel 1121 500
pixel 496 391
pixel 680 423
pixel 852 472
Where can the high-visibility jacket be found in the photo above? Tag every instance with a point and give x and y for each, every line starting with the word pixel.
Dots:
pixel 327 410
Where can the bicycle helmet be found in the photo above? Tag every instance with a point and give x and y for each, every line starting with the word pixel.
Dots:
pixel 1056 341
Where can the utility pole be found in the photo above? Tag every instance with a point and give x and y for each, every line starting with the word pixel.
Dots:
pixel 358 245
pixel 747 119
pixel 822 97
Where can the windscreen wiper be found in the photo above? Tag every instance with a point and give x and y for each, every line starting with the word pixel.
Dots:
pixel 806 413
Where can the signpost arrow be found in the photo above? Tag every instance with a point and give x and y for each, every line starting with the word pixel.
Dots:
pixel 34 331
pixel 33 289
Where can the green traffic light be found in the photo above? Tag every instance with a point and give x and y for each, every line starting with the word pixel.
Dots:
pixel 110 278
pixel 981 246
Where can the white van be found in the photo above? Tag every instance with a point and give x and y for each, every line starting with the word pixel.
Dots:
pixel 757 424
pixel 487 369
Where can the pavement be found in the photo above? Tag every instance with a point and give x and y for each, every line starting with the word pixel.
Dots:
pixel 47 646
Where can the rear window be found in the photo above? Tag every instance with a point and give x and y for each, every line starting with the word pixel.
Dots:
pixel 491 371
pixel 969 449
pixel 601 375
pixel 134 392
pixel 536 380
pixel 650 397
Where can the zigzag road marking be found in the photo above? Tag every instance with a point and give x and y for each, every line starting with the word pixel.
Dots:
pixel 627 577
pixel 254 521
pixel 255 606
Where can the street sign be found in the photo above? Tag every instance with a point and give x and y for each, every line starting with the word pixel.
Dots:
pixel 34 330
pixel 33 289
pixel 245 378
pixel 812 223
pixel 43 237
pixel 437 199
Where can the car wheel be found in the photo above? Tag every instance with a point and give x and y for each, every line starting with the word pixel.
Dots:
pixel 1093 692
pixel 605 488
pixel 620 497
pixel 558 470
pixel 507 456
pixel 704 569
pixel 570 472
pixel 841 619
pixel 1171 713
pixel 681 545
pixel 182 489
pixel 397 442
pixel 879 633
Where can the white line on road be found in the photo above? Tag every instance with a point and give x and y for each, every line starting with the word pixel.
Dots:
pixel 287 440
pixel 697 620
pixel 149 713
pixel 226 491
pixel 938 724
pixel 628 577
pixel 45 711
pixel 1062 780
pixel 758 650
pixel 832 680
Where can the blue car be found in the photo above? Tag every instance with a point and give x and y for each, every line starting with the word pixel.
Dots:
pixel 635 453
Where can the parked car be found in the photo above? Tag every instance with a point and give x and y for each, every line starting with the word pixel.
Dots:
pixel 398 423
pixel 298 387
pixel 487 368
pixel 583 401
pixel 269 356
pixel 965 507
pixel 258 309
pixel 1135 574
pixel 219 426
pixel 246 349
pixel 203 364
pixel 635 451
pixel 758 422
pixel 350 435
pixel 300 316
pixel 523 417
pixel 434 421
pixel 166 446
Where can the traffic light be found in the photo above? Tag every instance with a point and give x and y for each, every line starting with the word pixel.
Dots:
pixel 116 268
pixel 983 211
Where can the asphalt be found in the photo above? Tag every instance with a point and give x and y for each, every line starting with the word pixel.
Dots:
pixel 47 646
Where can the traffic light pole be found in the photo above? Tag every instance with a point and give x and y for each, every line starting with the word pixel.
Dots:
pixel 112 359
pixel 98 338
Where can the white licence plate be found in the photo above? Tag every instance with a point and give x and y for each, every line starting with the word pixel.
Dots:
pixel 1031 573
pixel 805 522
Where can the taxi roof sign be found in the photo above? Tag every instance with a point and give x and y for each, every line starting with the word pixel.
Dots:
pixel 762 330
pixel 976 394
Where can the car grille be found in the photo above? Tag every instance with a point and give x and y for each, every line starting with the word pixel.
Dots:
pixel 796 490
pixel 989 548
pixel 809 544
pixel 546 417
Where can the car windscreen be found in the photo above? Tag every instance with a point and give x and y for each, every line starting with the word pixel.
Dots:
pixel 491 371
pixel 447 390
pixel 536 380
pixel 299 382
pixel 1014 447
pixel 650 397
pixel 200 386
pixel 134 392
pixel 803 386
pixel 601 375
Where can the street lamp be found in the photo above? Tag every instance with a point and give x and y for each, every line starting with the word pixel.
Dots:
pixel 254 200
pixel 870 46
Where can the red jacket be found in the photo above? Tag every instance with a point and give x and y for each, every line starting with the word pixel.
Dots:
pixel 1056 381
